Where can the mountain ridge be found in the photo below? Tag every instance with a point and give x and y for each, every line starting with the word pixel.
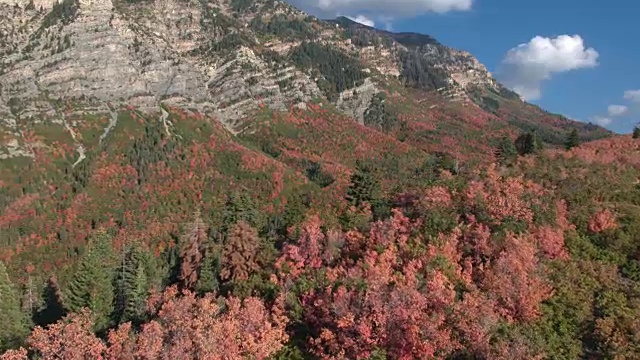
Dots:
pixel 176 52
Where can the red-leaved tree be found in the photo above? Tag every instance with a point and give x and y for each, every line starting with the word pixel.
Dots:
pixel 183 326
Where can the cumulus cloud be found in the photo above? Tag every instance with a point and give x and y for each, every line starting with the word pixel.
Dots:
pixel 602 120
pixel 632 95
pixel 526 66
pixel 617 110
pixel 395 9
pixel 363 20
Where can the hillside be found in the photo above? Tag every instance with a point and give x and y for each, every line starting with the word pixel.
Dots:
pixel 346 192
pixel 263 77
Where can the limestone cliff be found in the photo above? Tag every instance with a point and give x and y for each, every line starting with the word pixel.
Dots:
pixel 223 57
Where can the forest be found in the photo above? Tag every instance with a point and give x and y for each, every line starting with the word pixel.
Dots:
pixel 533 254
pixel 390 221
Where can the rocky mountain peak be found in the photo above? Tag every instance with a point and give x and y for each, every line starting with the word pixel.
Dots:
pixel 225 58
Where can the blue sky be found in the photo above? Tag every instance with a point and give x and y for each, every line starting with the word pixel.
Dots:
pixel 583 75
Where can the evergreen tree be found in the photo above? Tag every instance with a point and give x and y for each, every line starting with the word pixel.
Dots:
pixel 430 170
pixel 572 140
pixel 528 143
pixel 52 309
pixel 169 266
pixel 506 152
pixel 92 283
pixel 132 285
pixel 14 325
pixel 636 132
pixel 365 187
pixel 209 271
pixel 295 210
pixel 240 207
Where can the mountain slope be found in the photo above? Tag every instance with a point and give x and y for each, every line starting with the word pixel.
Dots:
pixel 348 191
pixel 311 97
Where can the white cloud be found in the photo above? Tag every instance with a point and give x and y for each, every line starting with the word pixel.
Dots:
pixel 394 9
pixel 602 121
pixel 632 95
pixel 526 66
pixel 363 20
pixel 617 110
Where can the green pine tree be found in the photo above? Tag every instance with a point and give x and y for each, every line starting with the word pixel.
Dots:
pixel 506 152
pixel 52 309
pixel 636 132
pixel 15 325
pixel 240 206
pixel 528 143
pixel 133 284
pixel 573 140
pixel 365 187
pixel 208 279
pixel 92 284
pixel 295 210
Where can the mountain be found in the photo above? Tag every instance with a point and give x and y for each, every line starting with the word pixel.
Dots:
pixel 223 58
pixel 317 174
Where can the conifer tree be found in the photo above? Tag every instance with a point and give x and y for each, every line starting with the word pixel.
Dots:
pixel 636 132
pixel 365 187
pixel 528 143
pixel 92 283
pixel 240 207
pixel 572 140
pixel 52 309
pixel 295 210
pixel 13 322
pixel 209 271
pixel 132 285
pixel 506 152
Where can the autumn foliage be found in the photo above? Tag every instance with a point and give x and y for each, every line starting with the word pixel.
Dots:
pixel 393 289
pixel 437 254
pixel 183 327
pixel 601 221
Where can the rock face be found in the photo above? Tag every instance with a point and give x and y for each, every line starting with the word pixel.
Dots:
pixel 45 4
pixel 223 57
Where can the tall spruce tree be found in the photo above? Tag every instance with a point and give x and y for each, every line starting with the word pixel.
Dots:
pixel 506 152
pixel 240 207
pixel 14 322
pixel 52 308
pixel 365 187
pixel 92 284
pixel 528 143
pixel 573 140
pixel 134 280
pixel 209 272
